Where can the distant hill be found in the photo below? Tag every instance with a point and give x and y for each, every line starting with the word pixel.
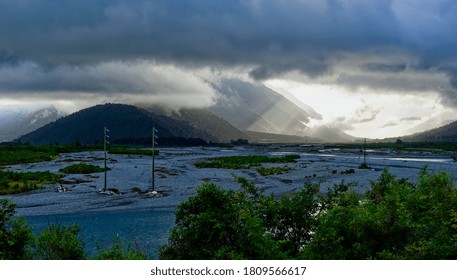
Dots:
pixel 126 123
pixel 26 122
pixel 446 133
pixel 203 120
pixel 268 138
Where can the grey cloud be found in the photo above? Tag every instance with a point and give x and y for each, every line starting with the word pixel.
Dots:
pixel 141 80
pixel 269 37
pixel 390 124
pixel 263 34
pixel 366 114
pixel 382 67
pixel 410 119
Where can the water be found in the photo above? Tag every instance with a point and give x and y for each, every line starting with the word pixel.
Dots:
pixel 148 228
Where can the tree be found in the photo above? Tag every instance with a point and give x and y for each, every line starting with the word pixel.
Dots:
pixel 120 251
pixel 396 219
pixel 59 242
pixel 220 224
pixel 15 234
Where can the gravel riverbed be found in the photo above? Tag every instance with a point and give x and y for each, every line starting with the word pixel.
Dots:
pixel 177 178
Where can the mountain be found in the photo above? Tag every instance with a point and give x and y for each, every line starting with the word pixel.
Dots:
pixel 268 138
pixel 25 122
pixel 255 107
pixel 446 133
pixel 203 120
pixel 126 124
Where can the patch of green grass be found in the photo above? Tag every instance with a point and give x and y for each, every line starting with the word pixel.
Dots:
pixel 82 168
pixel 265 171
pixel 243 162
pixel 24 154
pixel 18 182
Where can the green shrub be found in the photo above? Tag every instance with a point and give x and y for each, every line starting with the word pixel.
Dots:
pixel 265 171
pixel 82 168
pixel 58 242
pixel 15 234
pixel 396 219
pixel 17 182
pixel 241 162
pixel 120 251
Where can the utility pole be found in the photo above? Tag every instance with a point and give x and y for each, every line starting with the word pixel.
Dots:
pixel 154 137
pixel 365 153
pixel 104 148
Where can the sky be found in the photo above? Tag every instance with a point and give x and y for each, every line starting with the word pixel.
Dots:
pixel 372 68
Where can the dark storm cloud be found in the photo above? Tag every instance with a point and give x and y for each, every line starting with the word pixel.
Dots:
pixel 274 35
pixel 269 37
pixel 381 67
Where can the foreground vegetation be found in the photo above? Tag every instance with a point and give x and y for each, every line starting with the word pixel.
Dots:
pixel 396 219
pixel 56 242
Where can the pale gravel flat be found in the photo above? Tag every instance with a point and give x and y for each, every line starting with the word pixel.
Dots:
pixel 178 178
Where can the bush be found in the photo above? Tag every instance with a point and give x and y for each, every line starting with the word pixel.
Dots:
pixel 82 168
pixel 396 219
pixel 15 235
pixel 17 182
pixel 58 242
pixel 219 224
pixel 265 171
pixel 241 162
pixel 120 251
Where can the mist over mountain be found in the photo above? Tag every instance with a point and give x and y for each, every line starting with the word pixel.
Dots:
pixel 255 107
pixel 328 134
pixel 21 123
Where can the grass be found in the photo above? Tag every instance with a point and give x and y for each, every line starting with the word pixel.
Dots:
pixel 265 171
pixel 243 162
pixel 82 168
pixel 20 154
pixel 18 182
pixel 25 154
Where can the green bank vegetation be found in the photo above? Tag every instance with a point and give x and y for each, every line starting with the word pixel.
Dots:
pixel 19 154
pixel 81 168
pixel 396 219
pixel 243 162
pixel 266 171
pixel 18 182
